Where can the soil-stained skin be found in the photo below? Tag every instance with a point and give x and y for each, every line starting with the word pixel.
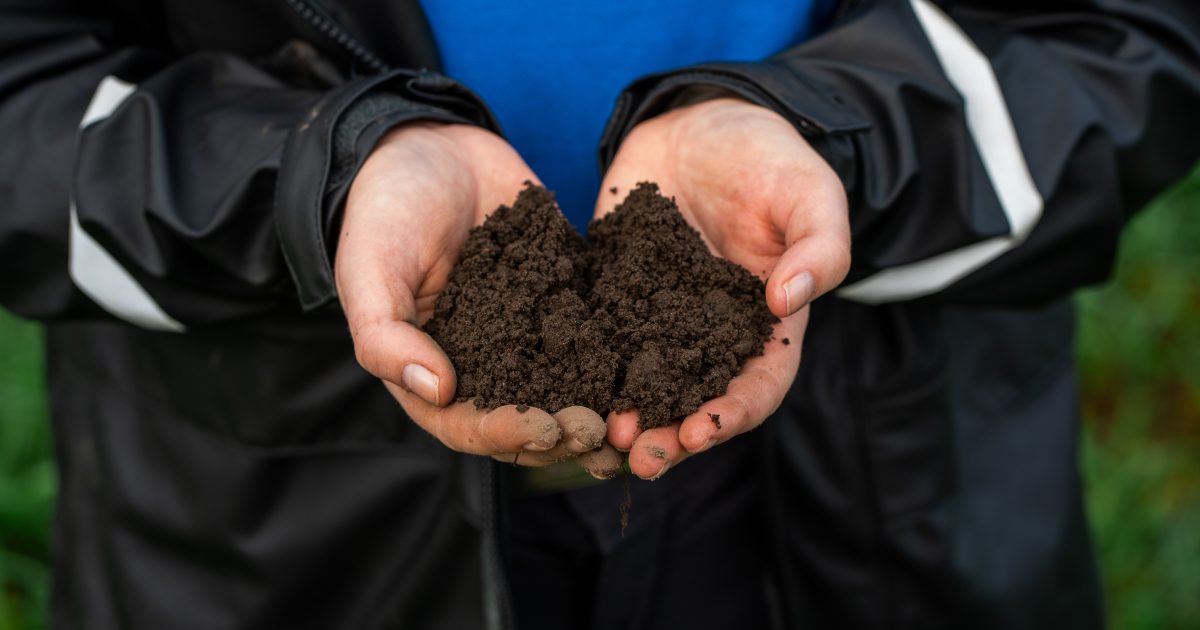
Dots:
pixel 643 317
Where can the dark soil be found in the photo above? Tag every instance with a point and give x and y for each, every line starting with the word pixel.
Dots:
pixel 514 318
pixel 643 317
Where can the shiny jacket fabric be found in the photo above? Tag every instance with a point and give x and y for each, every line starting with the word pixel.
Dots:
pixel 172 174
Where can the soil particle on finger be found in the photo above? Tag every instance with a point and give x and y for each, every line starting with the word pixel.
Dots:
pixel 642 318
pixel 716 419
pixel 787 342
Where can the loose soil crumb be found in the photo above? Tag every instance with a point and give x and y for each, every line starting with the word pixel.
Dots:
pixel 716 418
pixel 644 317
pixel 786 341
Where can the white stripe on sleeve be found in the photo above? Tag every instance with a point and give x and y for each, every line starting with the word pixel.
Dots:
pixel 97 274
pixel 992 131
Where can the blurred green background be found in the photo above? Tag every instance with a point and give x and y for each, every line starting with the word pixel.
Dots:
pixel 1139 351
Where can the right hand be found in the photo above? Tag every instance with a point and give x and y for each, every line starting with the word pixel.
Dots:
pixel 761 197
pixel 407 216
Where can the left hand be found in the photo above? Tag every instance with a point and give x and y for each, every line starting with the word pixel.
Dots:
pixel 761 197
pixel 409 211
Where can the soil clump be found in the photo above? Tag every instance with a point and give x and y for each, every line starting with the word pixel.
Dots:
pixel 641 317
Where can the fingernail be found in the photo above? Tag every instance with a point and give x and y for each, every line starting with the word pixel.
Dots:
pixel 661 471
pixel 604 475
pixel 798 291
pixel 577 446
pixel 420 381
pixel 537 447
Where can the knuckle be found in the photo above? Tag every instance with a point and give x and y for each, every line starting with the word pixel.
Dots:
pixel 486 430
pixel 501 431
pixel 366 347
pixel 440 431
pixel 841 255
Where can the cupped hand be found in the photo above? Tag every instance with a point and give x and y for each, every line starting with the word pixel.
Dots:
pixel 407 216
pixel 760 196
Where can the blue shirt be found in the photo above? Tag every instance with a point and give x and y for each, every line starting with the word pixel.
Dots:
pixel 552 70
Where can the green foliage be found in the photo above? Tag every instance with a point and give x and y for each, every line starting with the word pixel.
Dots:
pixel 1139 351
pixel 27 479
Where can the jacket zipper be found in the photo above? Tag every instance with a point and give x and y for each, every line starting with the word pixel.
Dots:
pixel 338 34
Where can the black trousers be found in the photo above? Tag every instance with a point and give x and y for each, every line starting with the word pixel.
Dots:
pixel 691 555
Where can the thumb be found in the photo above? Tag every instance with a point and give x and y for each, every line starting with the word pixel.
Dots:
pixel 400 353
pixel 817 259
pixel 387 341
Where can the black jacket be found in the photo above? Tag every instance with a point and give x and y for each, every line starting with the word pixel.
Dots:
pixel 172 173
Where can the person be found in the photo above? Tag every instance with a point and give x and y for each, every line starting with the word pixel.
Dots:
pixel 201 198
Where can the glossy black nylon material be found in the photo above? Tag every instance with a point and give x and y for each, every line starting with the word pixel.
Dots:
pixel 205 485
pixel 1092 87
pixel 224 229
pixel 248 474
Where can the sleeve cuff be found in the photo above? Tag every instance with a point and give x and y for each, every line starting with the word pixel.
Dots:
pixel 815 111
pixel 326 150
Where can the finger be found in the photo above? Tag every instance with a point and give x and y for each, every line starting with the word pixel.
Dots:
pixel 817 230
pixel 533 459
pixel 655 451
pixel 753 395
pixel 603 463
pixel 623 429
pixel 464 428
pixel 583 430
pixel 583 433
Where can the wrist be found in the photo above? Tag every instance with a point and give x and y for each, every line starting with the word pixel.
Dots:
pixel 697 130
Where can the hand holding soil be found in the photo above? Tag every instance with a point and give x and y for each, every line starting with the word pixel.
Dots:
pixel 407 217
pixel 761 197
pixel 641 317
pixel 645 320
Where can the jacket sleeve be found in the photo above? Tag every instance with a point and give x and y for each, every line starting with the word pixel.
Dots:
pixel 176 191
pixel 991 150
